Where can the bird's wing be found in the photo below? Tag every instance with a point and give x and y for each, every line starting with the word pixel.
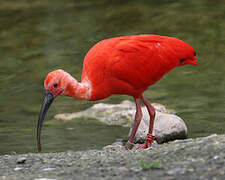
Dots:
pixel 140 61
pixel 95 64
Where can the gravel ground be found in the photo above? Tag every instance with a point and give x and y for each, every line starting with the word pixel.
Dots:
pixel 191 159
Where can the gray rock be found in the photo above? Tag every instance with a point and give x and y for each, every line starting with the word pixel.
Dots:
pixel 167 126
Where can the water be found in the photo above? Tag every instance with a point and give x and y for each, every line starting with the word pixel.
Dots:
pixel 40 36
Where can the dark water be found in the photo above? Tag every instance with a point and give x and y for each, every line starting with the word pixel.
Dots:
pixel 37 37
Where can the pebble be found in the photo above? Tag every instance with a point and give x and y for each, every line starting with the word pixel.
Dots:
pixel 17 168
pixel 48 169
pixel 215 157
pixel 136 169
pixel 70 164
pixel 44 179
pixel 176 171
pixel 21 160
pixel 84 156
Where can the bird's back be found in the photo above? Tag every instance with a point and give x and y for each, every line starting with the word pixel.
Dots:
pixel 129 64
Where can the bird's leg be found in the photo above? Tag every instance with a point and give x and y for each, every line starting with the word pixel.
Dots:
pixel 149 138
pixel 137 120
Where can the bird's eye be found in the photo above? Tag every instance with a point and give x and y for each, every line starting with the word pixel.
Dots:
pixel 55 85
pixel 182 60
pixel 195 54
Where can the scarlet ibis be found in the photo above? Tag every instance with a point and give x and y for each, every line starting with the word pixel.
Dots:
pixel 122 65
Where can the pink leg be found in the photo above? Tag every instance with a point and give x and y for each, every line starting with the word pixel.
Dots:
pixel 149 137
pixel 137 120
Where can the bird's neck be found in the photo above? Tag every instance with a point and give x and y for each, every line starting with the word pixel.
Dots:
pixel 78 90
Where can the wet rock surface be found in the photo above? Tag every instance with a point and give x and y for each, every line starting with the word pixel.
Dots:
pixel 167 126
pixel 201 158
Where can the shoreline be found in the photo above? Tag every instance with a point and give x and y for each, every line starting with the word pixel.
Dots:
pixel 200 158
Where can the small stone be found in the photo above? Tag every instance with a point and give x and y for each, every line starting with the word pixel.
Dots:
pixel 84 157
pixel 70 164
pixel 21 160
pixel 17 168
pixel 136 169
pixel 48 169
pixel 215 157
pixel 176 171
pixel 44 179
pixel 123 168
pixel 190 170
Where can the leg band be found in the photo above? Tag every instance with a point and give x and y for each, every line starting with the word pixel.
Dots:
pixel 149 138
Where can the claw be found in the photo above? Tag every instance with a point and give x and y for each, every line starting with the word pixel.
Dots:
pixel 144 146
pixel 129 145
pixel 149 140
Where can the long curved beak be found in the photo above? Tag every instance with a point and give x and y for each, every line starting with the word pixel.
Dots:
pixel 48 99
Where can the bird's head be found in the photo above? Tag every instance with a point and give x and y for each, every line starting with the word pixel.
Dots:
pixel 183 52
pixel 188 59
pixel 55 82
pixel 55 85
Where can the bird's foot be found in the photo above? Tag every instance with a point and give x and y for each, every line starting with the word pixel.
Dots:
pixel 129 145
pixel 144 146
pixel 149 140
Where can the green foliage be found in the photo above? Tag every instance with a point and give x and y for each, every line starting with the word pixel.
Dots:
pixel 154 165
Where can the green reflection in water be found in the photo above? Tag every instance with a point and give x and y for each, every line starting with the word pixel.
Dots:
pixel 40 36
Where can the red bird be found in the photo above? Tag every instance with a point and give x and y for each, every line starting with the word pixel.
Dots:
pixel 122 65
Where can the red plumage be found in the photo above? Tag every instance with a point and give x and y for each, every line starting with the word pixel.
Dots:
pixel 129 64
